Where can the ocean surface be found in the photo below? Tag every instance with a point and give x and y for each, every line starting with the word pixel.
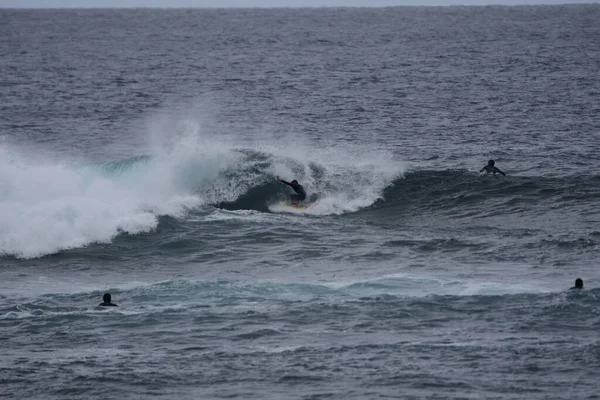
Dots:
pixel 138 155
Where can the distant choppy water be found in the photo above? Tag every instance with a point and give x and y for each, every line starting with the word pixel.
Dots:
pixel 138 150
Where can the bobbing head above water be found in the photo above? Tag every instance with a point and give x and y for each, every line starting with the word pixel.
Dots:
pixel 578 283
pixel 107 301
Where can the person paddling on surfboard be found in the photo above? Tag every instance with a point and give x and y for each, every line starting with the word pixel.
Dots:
pixel 491 169
pixel 300 192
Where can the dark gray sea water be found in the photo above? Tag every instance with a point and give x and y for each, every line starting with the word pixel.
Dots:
pixel 138 155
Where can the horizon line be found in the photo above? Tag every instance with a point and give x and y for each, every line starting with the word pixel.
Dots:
pixel 535 3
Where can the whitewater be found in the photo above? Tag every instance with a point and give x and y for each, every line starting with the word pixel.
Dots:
pixel 66 205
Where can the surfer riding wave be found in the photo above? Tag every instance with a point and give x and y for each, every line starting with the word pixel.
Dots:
pixel 298 188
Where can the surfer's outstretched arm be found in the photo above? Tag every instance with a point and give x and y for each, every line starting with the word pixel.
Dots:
pixel 499 171
pixel 282 181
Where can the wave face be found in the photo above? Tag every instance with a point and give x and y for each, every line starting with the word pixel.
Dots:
pixel 456 192
pixel 47 206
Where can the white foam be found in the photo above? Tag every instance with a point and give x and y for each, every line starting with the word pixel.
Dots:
pixel 402 284
pixel 47 205
pixel 346 177
pixel 226 215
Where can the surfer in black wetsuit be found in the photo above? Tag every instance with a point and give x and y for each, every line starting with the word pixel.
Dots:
pixel 300 192
pixel 107 301
pixel 578 284
pixel 491 169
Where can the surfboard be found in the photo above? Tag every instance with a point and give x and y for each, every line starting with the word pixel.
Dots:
pixel 299 206
pixel 287 207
